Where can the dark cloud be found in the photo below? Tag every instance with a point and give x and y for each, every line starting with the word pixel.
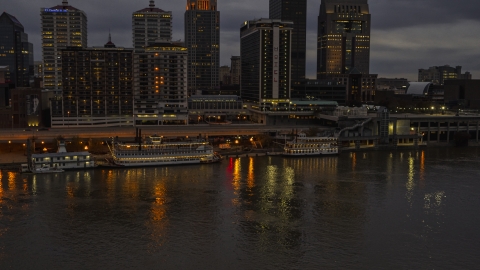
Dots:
pixel 406 34
pixel 406 13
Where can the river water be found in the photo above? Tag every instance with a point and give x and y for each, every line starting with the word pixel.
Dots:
pixel 373 210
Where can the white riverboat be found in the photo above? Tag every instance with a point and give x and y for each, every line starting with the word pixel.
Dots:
pixel 157 152
pixel 46 169
pixel 58 162
pixel 311 146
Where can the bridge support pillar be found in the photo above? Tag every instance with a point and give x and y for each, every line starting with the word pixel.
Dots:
pixel 438 132
pixel 477 129
pixel 428 133
pixel 448 131
pixel 357 145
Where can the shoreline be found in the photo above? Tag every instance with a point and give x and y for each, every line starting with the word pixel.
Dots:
pixel 11 161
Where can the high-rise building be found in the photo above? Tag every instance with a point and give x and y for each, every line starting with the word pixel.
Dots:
pixel 15 51
pixel 438 74
pixel 343 37
pixel 97 87
pixel 5 86
pixel 265 46
pixel 295 11
pixel 225 78
pixel 62 26
pixel 160 85
pixel 150 24
pixel 235 71
pixel 202 39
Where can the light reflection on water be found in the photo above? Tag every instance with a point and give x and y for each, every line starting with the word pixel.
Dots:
pixel 357 210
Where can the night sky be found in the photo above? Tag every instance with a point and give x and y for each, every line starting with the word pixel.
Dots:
pixel 406 34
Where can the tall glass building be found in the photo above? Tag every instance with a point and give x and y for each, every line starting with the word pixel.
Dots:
pixel 202 39
pixel 295 11
pixel 149 25
pixel 265 49
pixel 15 51
pixel 343 37
pixel 62 26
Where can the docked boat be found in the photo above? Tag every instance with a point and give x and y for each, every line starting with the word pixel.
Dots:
pixel 58 162
pixel 311 146
pixel 157 152
pixel 43 169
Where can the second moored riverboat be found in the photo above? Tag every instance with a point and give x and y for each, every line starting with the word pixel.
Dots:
pixel 311 146
pixel 154 151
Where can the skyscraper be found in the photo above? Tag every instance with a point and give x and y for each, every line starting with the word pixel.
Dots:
pixel 343 37
pixel 62 26
pixel 265 52
pixel 202 39
pixel 295 11
pixel 15 51
pixel 150 24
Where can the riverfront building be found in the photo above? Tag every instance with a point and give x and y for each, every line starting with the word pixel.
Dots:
pixel 97 87
pixel 160 85
pixel 343 37
pixel 150 24
pixel 295 11
pixel 265 47
pixel 202 39
pixel 15 51
pixel 62 26
pixel 438 74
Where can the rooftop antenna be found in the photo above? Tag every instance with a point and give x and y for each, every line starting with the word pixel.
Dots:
pixel 65 2
pixel 109 36
pixel 152 4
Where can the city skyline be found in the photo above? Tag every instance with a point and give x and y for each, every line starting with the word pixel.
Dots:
pixel 406 35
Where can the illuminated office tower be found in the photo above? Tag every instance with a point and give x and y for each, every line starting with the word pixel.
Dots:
pixel 202 39
pixel 62 26
pixel 150 24
pixel 16 52
pixel 266 71
pixel 343 37
pixel 295 11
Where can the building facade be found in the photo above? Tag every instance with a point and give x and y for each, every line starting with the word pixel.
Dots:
pixel 438 74
pixel 202 39
pixel 15 51
pixel 235 71
pixel 361 88
pixel 295 11
pixel 343 37
pixel 62 26
pixel 160 85
pixel 394 84
pixel 25 109
pixel 265 47
pixel 224 75
pixel 462 94
pixel 97 87
pixel 331 90
pixel 150 24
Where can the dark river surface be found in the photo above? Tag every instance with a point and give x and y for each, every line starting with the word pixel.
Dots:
pixel 373 210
